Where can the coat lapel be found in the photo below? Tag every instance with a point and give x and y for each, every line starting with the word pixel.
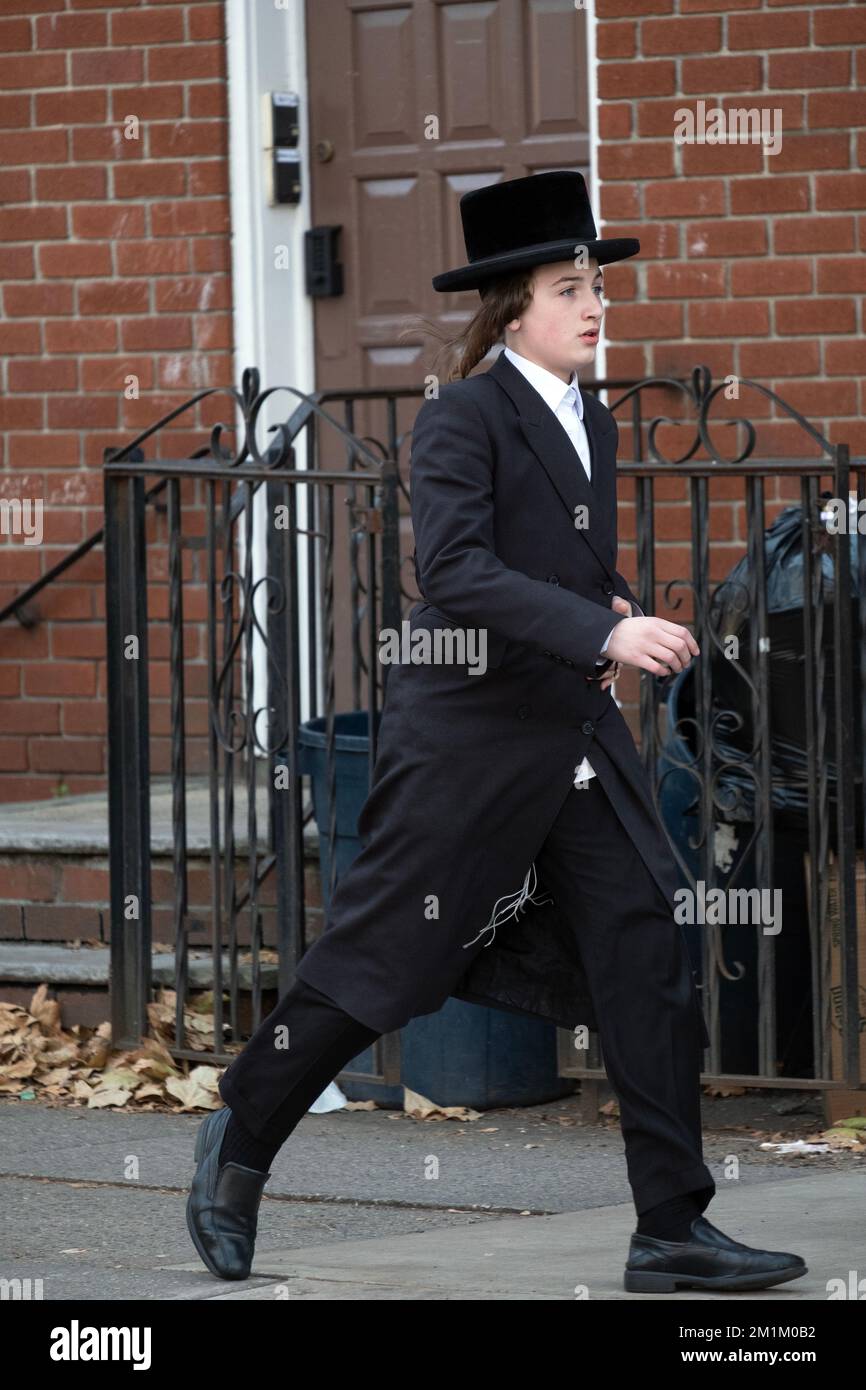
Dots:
pixel 555 452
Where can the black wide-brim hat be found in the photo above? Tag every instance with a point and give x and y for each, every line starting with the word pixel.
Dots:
pixel 526 222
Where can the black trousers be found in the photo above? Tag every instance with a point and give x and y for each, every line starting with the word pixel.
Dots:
pixel 637 964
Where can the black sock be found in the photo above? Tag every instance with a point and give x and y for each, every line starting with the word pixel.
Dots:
pixel 239 1146
pixel 670 1220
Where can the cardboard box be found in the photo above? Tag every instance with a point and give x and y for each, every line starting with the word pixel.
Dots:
pixel 831 927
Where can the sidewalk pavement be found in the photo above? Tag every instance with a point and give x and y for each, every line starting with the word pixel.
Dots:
pixel 520 1204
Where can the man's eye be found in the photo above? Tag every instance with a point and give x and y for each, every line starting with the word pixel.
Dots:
pixel 599 289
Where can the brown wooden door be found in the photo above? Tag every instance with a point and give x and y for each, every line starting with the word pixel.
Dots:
pixel 506 81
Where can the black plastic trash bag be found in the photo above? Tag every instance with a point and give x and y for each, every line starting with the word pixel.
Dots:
pixel 733 742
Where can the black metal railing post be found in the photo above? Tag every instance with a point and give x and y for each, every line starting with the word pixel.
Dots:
pixel 128 757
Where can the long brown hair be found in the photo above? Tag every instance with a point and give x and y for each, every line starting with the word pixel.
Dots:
pixel 502 300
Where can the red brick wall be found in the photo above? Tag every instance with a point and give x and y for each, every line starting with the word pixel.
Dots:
pixel 753 264
pixel 114 262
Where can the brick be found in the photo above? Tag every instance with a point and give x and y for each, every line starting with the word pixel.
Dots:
pixel 11 929
pixel 74 259
pixel 189 219
pixel 161 103
pixel 59 678
pixel 66 755
pixel 164 257
pixel 80 883
pixel 188 139
pixel 165 331
pixel 761 31
pixel 813 234
pixel 840 25
pixel 106 65
pixel 740 320
pixel 42 450
pixel 618 80
pixel 142 28
pixel 13 755
pixel 809 69
pixel 845 356
pixel 28 880
pixel 84 335
pixel 685 198
pixel 679 35
pixel 32 224
pixel 71 30
pixel 31 717
pixel 37 300
pixel 675 280
pixel 728 238
pixel 811 152
pixel 65 109
pixel 617 40
pixel 108 222
pixel 614 9
pixel 770 194
pixel 783 276
pixel 836 110
pixel 838 275
pixel 33 147
pixel 44 375
pixel 817 316
pixel 16 263
pixel 206 22
pixel 703 75
pixel 59 922
pixel 637 159
pixel 78 640
pixel 788 359
pixel 834 192
pixel 157 180
pixel 186 62
pixel 207 99
pixel 114 297
pixel 30 70
pixel 84 717
pixel 71 185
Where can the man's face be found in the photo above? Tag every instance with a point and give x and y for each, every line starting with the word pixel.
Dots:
pixel 560 328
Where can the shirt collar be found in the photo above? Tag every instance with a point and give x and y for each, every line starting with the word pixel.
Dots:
pixel 546 383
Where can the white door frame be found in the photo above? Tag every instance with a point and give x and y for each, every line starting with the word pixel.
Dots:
pixel 273 325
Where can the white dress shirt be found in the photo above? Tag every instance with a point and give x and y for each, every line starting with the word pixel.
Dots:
pixel 566 403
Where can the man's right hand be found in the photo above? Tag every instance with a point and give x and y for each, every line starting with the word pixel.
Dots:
pixel 652 644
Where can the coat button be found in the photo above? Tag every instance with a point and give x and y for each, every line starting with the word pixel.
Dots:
pixel 553 579
pixel 608 588
pixel 523 711
pixel 587 726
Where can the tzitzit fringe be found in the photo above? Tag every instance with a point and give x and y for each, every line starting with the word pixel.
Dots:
pixel 521 897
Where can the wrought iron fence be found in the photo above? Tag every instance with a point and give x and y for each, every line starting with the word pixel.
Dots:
pixel 773 734
pixel 268 633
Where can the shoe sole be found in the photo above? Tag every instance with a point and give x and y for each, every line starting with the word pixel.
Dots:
pixel 198 1155
pixel 647 1281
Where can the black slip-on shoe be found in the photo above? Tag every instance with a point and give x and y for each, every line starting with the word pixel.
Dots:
pixel 708 1260
pixel 223 1204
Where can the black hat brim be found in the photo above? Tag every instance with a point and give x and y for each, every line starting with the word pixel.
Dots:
pixel 470 277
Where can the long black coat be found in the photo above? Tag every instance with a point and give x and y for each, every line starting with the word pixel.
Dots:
pixel 471 769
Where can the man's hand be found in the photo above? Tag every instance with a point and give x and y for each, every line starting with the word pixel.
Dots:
pixel 619 605
pixel 650 644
